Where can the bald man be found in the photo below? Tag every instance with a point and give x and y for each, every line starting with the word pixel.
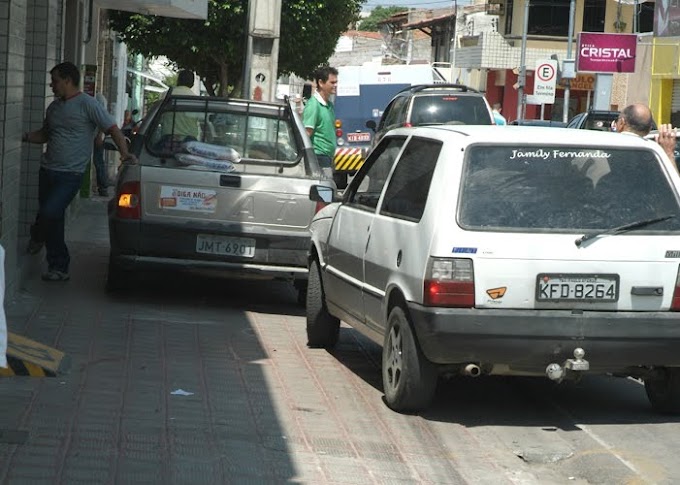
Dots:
pixel 636 119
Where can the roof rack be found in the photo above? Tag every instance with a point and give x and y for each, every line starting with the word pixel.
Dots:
pixel 421 87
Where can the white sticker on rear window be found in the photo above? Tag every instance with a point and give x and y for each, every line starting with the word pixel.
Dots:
pixel 187 199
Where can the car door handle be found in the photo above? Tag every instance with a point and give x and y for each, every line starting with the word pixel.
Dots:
pixel 230 180
pixel 647 290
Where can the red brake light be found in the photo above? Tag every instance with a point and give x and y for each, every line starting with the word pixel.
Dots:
pixel 407 125
pixel 319 205
pixel 675 303
pixel 129 201
pixel 449 283
pixel 338 133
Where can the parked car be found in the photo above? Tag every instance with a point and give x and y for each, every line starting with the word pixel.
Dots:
pixel 593 120
pixel 547 123
pixel 504 251
pixel 221 185
pixel 433 104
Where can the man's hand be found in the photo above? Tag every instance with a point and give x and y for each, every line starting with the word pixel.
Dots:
pixel 129 158
pixel 666 138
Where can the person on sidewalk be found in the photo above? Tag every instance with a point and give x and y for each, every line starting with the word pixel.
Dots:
pixel 71 122
pixel 178 127
pixel 318 116
pixel 499 119
pixel 98 155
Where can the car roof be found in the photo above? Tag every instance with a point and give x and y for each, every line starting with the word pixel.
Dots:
pixel 528 135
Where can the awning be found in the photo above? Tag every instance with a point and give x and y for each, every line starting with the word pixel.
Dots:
pixel 186 9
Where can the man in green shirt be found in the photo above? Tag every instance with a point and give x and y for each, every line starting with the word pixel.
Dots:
pixel 319 116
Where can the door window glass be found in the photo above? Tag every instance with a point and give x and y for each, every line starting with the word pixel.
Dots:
pixel 409 186
pixel 368 184
pixel 393 113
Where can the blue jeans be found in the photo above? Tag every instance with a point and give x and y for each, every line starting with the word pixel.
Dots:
pixel 56 190
pixel 100 167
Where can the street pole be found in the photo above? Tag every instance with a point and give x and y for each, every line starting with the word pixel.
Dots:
pixel 522 64
pixel 570 40
pixel 262 49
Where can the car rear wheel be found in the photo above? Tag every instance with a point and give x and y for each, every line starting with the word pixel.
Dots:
pixel 409 379
pixel 664 391
pixel 323 328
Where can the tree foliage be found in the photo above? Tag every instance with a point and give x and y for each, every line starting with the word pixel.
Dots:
pixel 215 48
pixel 377 15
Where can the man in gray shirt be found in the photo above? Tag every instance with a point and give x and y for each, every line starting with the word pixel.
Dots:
pixel 70 125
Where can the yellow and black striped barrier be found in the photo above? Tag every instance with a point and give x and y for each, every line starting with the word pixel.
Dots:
pixel 348 159
pixel 26 357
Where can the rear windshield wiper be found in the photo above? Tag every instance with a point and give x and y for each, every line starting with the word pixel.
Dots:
pixel 621 229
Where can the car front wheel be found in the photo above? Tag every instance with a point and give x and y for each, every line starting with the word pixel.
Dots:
pixel 664 391
pixel 322 327
pixel 409 379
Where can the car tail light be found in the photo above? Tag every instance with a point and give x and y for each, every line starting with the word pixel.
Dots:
pixel 675 303
pixel 449 283
pixel 129 201
pixel 338 133
pixel 319 205
pixel 338 128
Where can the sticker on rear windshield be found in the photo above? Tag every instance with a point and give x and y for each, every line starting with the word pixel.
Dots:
pixel 548 154
pixel 188 199
pixel 673 254
pixel 465 250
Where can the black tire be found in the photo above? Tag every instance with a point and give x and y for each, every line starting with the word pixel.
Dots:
pixel 409 379
pixel 323 328
pixel 664 391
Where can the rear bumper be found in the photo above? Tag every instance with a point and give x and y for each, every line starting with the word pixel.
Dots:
pixel 529 340
pixel 136 245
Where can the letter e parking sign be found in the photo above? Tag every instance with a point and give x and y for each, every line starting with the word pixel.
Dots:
pixel 545 81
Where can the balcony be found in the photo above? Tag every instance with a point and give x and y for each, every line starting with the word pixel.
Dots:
pixel 186 9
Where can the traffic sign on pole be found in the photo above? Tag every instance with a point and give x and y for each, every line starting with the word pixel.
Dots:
pixel 545 81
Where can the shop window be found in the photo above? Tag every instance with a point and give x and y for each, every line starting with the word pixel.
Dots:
pixel 549 17
pixel 593 15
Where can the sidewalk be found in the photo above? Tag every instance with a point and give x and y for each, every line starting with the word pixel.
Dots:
pixel 114 418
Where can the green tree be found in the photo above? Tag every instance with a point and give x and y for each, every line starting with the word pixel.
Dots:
pixel 215 48
pixel 377 15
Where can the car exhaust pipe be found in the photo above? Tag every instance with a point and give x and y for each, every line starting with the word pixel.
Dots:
pixel 472 370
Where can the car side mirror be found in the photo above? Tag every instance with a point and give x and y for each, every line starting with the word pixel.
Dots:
pixel 321 193
pixel 371 125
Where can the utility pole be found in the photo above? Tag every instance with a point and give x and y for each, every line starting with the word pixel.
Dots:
pixel 568 74
pixel 262 50
pixel 522 64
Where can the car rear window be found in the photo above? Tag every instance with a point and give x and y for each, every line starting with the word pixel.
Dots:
pixel 449 109
pixel 263 137
pixel 563 188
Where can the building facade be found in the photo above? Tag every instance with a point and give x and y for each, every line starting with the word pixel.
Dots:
pixel 498 52
pixel 35 35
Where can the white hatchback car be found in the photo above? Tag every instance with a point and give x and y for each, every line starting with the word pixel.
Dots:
pixel 504 251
